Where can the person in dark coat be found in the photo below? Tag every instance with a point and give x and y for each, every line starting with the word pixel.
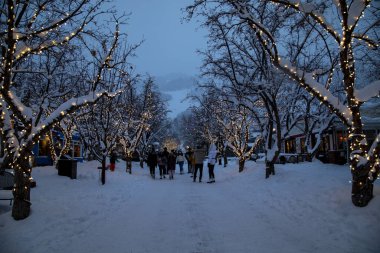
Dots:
pixel 152 163
pixel 171 164
pixel 188 156
pixel 166 154
pixel 162 163
pixel 113 159
pixel 199 156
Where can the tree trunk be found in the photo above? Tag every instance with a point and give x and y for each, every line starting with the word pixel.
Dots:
pixel 104 170
pixel 21 190
pixel 362 187
pixel 309 157
pixel 53 155
pixel 225 159
pixel 128 164
pixel 269 168
pixel 241 165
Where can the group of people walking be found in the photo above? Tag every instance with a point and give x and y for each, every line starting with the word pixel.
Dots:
pixel 166 162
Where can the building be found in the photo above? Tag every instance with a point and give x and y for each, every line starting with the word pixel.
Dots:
pixel 334 143
pixel 41 149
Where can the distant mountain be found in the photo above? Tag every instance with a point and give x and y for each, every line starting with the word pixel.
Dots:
pixel 175 82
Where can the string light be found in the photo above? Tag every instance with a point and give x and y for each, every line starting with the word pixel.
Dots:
pixel 349 114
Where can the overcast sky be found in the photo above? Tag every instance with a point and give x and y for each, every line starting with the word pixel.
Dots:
pixel 169 51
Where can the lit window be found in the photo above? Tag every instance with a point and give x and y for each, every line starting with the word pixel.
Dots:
pixel 77 149
pixel 43 147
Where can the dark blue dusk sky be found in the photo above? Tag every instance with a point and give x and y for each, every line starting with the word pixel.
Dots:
pixel 170 44
pixel 169 50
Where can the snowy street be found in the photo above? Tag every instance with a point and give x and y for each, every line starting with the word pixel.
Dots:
pixel 266 85
pixel 304 208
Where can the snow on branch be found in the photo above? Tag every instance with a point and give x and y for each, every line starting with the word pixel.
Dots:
pixel 368 92
pixel 311 10
pixel 17 105
pixel 317 89
pixel 25 50
pixel 244 14
pixel 374 158
pixel 375 146
pixel 68 107
pixel 355 11
pixel 254 147
pixel 12 141
pixel 305 79
pixel 107 57
pixel 56 24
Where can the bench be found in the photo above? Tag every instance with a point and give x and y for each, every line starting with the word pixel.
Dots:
pixel 6 183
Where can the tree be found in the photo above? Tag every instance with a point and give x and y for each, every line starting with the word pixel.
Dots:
pixel 103 126
pixel 139 114
pixel 243 69
pixel 224 113
pixel 28 29
pixel 343 41
pixel 60 147
pixel 237 126
pixel 157 124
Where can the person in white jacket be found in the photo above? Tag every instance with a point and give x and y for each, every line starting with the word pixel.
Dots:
pixel 212 155
pixel 180 161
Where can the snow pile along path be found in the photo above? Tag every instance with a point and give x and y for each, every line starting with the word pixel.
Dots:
pixel 305 207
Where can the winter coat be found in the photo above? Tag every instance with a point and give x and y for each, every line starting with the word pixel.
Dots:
pixel 212 153
pixel 199 156
pixel 162 160
pixel 192 158
pixel 180 158
pixel 187 155
pixel 152 160
pixel 171 161
pixel 165 153
pixel 113 158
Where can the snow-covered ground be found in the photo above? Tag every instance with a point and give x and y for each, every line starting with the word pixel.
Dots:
pixel 306 207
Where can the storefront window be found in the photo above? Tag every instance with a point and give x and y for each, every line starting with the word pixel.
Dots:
pixel 341 140
pixel 290 146
pixel 77 149
pixel 43 147
pixel 325 145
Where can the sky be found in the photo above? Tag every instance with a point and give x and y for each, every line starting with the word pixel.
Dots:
pixel 170 43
